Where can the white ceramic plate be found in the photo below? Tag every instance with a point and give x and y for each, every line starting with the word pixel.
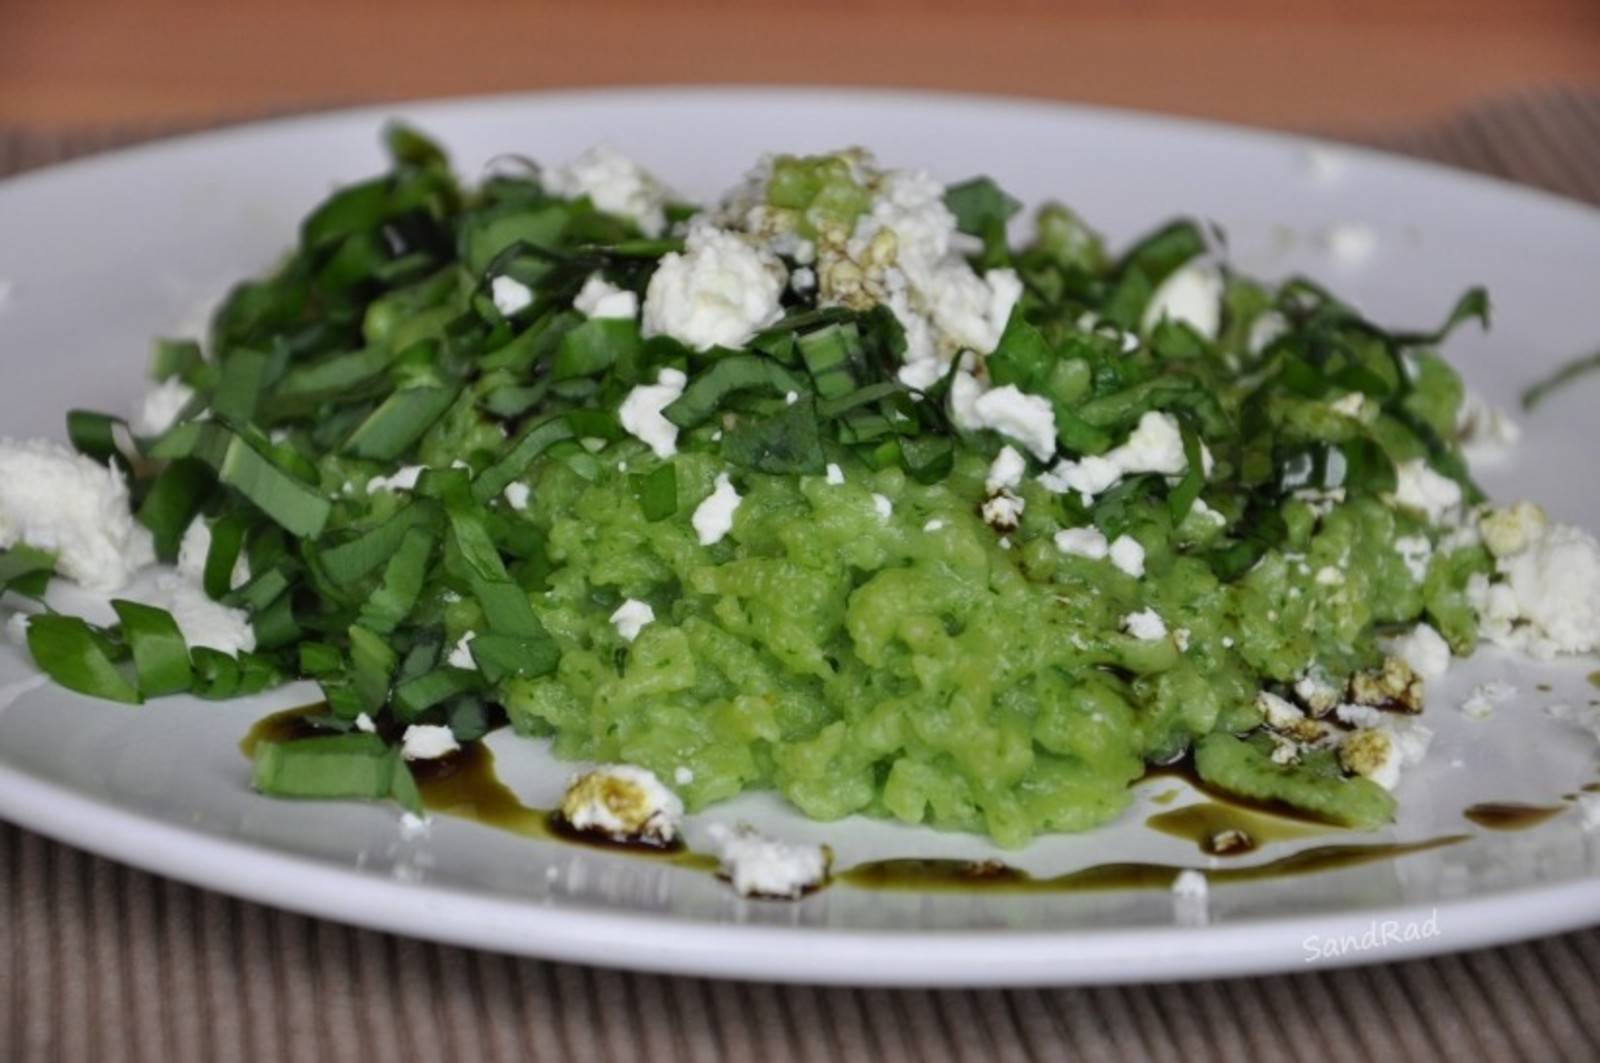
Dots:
pixel 100 255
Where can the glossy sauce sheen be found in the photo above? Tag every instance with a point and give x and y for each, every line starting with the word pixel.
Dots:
pixel 1510 815
pixel 1204 821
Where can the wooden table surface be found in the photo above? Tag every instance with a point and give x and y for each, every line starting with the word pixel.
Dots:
pixel 1306 64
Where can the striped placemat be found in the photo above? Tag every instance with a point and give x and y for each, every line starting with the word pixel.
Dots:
pixel 101 962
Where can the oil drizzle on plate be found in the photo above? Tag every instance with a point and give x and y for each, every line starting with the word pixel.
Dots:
pixel 1510 815
pixel 464 786
pixel 1226 829
pixel 987 875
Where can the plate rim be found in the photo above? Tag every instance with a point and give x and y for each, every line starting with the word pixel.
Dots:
pixel 696 946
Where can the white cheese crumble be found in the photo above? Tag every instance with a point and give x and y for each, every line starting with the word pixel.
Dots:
pixel 1415 552
pixel 759 866
pixel 1145 625
pixel 682 776
pixel 1206 514
pixel 933 525
pixel 162 404
pixel 516 494
pixel 426 741
pixel 1003 511
pixel 1547 600
pixel 461 653
pixel 719 291
pixel 55 499
pixel 623 802
pixel 1349 405
pixel 1380 752
pixel 1006 471
pixel 1420 489
pixel 1486 432
pixel 640 412
pixel 1192 296
pixel 615 184
pixel 1423 649
pixel 1480 704
pixel 404 479
pixel 1154 446
pixel 1082 542
pixel 1028 419
pixel 835 475
pixel 1191 899
pixel 509 295
pixel 599 298
pixel 364 724
pixel 713 517
pixel 882 506
pixel 202 621
pixel 1128 555
pixel 631 617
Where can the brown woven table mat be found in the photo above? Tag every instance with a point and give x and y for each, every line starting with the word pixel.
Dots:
pixel 101 962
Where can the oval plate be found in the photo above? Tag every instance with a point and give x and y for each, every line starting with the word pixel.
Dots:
pixel 102 254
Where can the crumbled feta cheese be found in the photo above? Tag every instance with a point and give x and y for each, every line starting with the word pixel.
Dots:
pixel 640 412
pixel 883 507
pixel 719 291
pixel 1182 636
pixel 1279 713
pixel 364 723
pixel 631 617
pixel 1415 552
pixel 426 741
pixel 461 653
pixel 1191 898
pixel 599 298
pixel 1154 446
pixel 1329 576
pixel 1484 431
pixel 1317 693
pixel 1379 753
pixel 615 184
pixel 161 406
pixel 1349 405
pixel 1145 625
pixel 55 499
pixel 759 866
pixel 404 479
pixel 1006 471
pixel 1394 686
pixel 1424 491
pixel 1360 716
pixel 933 525
pixel 1423 649
pixel 412 826
pixel 1480 704
pixel 202 621
pixel 1082 542
pixel 1028 419
pixel 510 296
pixel 194 548
pixel 803 280
pixel 1350 243
pixel 791 397
pixel 623 802
pixel 1128 555
pixel 1206 514
pixel 1003 511
pixel 1507 530
pixel 835 475
pixel 713 518
pixel 1547 601
pixel 1192 295
pixel 517 494
pixel 682 776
